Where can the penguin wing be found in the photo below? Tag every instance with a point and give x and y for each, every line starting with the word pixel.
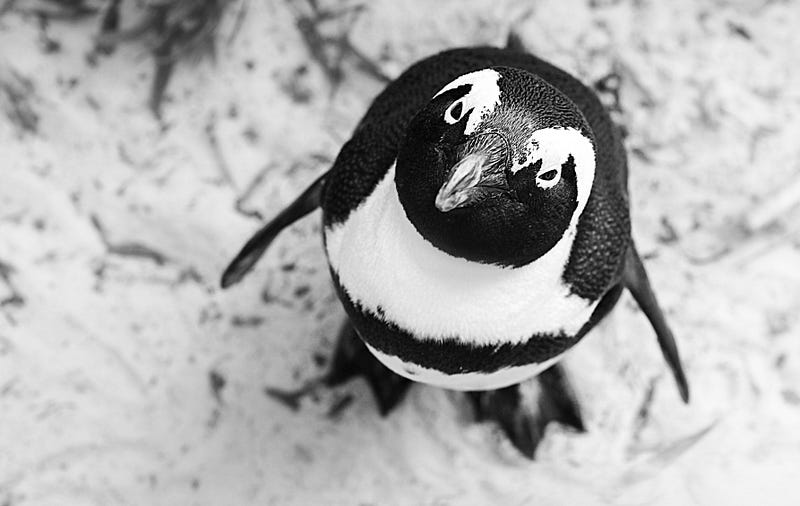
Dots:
pixel 255 247
pixel 635 279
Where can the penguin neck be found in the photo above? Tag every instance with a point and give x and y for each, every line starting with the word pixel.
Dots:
pixel 390 270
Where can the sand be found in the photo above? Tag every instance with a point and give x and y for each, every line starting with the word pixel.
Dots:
pixel 128 377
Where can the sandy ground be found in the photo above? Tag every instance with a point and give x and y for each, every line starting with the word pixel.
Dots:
pixel 128 377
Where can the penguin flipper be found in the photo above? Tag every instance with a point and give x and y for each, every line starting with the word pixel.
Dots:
pixel 252 251
pixel 635 279
pixel 352 358
pixel 525 425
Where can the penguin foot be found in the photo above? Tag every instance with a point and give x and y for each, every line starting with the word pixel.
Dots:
pixel 525 424
pixel 352 358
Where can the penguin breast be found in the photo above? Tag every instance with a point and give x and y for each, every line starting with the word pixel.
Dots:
pixel 386 268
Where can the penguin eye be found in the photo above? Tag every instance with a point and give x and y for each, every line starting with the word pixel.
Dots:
pixel 548 177
pixel 453 114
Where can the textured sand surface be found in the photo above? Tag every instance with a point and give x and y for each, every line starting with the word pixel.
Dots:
pixel 128 377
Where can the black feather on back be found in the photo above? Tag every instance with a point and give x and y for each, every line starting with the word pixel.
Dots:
pixel 604 228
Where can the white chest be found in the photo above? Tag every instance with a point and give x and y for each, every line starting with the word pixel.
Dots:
pixel 388 268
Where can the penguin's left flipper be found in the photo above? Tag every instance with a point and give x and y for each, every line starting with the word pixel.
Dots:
pixel 523 422
pixel 635 279
pixel 252 251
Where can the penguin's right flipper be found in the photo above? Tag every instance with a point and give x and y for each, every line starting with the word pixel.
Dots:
pixel 524 425
pixel 352 358
pixel 635 279
pixel 252 251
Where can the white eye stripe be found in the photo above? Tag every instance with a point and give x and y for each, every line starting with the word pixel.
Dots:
pixel 483 96
pixel 554 146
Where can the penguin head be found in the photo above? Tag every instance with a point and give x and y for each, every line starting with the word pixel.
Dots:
pixel 496 168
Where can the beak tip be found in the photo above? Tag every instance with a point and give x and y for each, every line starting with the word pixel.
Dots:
pixel 443 205
pixel 462 179
pixel 447 201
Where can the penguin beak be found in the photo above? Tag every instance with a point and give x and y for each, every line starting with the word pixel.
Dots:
pixel 479 172
pixel 461 184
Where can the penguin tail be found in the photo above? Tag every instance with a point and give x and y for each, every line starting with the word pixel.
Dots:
pixel 514 42
pixel 254 249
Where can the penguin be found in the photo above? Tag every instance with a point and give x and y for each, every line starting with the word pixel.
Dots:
pixel 476 226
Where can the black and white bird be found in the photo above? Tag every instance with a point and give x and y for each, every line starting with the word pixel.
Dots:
pixel 477 227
